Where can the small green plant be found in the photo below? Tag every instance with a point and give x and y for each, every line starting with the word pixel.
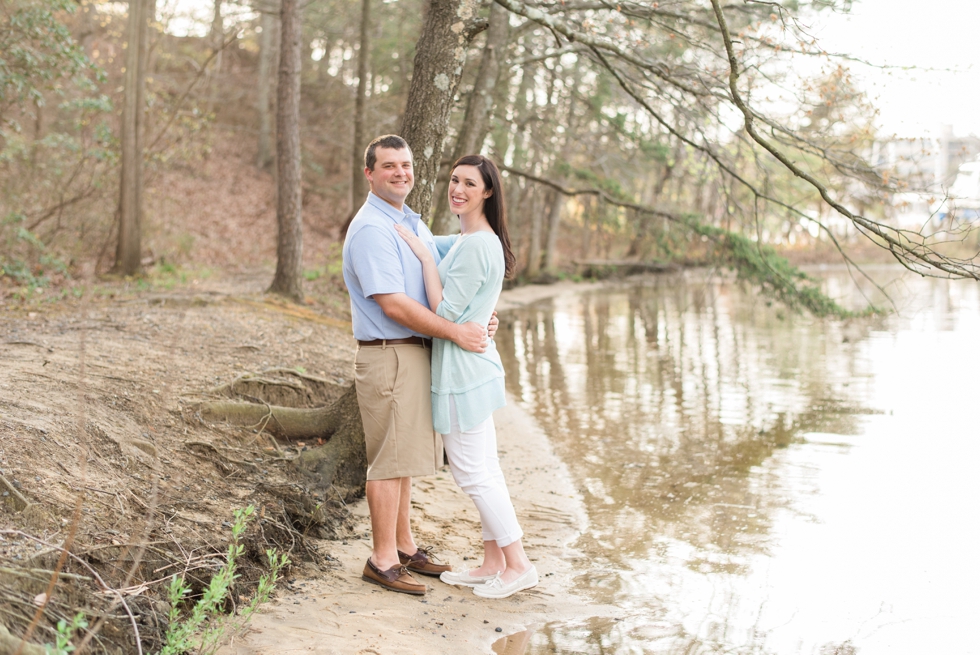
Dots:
pixel 204 628
pixel 335 259
pixel 65 631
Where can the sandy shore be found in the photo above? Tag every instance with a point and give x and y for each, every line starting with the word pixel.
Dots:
pixel 529 293
pixel 334 611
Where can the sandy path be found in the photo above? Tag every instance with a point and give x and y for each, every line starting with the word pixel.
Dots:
pixel 334 611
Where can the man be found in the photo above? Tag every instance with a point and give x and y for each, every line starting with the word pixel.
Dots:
pixel 393 326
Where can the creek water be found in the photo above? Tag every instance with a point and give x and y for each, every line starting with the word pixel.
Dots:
pixel 758 481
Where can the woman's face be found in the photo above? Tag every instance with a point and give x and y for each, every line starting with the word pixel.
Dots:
pixel 467 192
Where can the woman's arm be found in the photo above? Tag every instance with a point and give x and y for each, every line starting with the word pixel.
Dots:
pixel 430 274
pixel 465 277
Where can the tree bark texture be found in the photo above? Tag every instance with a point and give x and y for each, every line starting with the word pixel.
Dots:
pixel 288 280
pixel 342 461
pixel 128 244
pixel 268 58
pixel 359 185
pixel 476 122
pixel 439 58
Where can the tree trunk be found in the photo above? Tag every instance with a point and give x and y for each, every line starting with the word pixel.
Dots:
pixel 589 218
pixel 342 461
pixel 516 195
pixel 289 202
pixel 534 250
pixel 554 220
pixel 269 47
pixel 128 245
pixel 359 186
pixel 217 40
pixel 440 54
pixel 476 121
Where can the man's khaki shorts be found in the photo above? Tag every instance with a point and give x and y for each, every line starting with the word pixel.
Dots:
pixel 393 392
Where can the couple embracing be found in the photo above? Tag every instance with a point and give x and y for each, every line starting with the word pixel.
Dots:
pixel 426 365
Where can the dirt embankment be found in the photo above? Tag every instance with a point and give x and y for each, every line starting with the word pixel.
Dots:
pixel 98 405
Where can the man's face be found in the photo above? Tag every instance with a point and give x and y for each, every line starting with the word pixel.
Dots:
pixel 393 177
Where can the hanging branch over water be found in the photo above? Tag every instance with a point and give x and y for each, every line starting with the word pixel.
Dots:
pixel 754 263
pixel 686 88
pixel 910 248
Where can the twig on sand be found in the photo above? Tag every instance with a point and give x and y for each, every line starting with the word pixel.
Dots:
pixel 16 498
pixel 28 343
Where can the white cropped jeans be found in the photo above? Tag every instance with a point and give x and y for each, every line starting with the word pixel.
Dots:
pixel 476 468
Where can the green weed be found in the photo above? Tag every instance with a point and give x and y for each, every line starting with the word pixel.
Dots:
pixel 65 631
pixel 206 625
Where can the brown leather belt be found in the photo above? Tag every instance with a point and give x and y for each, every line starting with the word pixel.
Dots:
pixel 411 341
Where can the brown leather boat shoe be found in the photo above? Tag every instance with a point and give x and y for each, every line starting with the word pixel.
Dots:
pixel 421 562
pixel 397 578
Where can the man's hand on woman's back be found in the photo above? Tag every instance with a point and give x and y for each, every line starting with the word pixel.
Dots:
pixel 471 336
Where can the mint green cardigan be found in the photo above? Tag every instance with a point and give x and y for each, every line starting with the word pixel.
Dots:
pixel 472 274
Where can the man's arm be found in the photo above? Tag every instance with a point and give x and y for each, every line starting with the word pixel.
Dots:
pixel 402 309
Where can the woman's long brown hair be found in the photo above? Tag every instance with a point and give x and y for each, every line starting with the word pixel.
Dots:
pixel 494 207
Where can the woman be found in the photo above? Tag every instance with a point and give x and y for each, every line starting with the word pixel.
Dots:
pixel 467 387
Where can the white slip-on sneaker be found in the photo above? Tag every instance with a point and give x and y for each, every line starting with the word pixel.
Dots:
pixel 497 588
pixel 464 579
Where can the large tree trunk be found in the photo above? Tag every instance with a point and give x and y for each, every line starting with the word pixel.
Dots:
pixel 289 202
pixel 476 122
pixel 342 462
pixel 128 245
pixel 268 57
pixel 440 54
pixel 554 220
pixel 359 186
pixel 521 147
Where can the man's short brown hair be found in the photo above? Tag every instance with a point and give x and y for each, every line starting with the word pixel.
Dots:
pixel 390 141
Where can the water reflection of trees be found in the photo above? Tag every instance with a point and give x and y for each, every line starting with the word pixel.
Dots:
pixel 668 402
pixel 603 636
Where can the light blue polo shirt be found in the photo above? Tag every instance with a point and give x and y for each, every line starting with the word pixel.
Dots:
pixel 377 260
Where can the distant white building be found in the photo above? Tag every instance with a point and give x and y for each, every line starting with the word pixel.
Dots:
pixel 927 169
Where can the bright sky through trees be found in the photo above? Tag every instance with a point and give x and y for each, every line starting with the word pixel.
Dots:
pixel 937 38
pixel 933 35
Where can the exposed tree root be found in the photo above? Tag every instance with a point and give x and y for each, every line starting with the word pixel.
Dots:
pixel 286 422
pixel 340 464
pixel 13 497
pixel 10 644
pixel 281 386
